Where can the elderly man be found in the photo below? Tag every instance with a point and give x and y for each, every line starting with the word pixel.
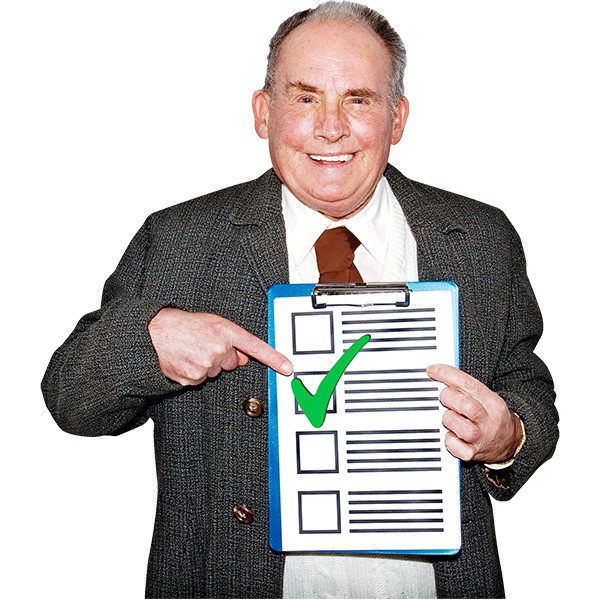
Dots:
pixel 180 336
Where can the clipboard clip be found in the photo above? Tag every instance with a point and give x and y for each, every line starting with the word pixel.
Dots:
pixel 322 292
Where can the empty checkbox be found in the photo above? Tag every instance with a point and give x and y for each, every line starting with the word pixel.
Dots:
pixel 312 333
pixel 319 512
pixel 317 452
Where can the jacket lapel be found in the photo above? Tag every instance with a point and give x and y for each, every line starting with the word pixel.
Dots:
pixel 258 220
pixel 431 221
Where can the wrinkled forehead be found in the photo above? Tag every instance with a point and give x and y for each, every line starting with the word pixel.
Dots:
pixel 318 50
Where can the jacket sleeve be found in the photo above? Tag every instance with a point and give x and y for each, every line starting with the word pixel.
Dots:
pixel 524 382
pixel 106 374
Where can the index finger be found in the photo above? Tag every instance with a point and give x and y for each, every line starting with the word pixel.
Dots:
pixel 252 346
pixel 456 379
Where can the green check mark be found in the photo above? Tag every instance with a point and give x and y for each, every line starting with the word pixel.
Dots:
pixel 314 406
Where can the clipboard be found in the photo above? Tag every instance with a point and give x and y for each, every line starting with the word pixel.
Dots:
pixel 357 461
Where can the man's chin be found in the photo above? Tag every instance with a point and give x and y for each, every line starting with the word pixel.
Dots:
pixel 337 209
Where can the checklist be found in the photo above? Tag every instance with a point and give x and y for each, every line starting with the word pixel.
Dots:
pixel 357 461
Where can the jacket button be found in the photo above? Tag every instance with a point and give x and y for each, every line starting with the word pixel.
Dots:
pixel 253 407
pixel 243 514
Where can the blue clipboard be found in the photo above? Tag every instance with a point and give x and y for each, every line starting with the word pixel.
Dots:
pixel 374 476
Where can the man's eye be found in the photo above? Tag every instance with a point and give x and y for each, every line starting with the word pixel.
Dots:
pixel 306 100
pixel 358 100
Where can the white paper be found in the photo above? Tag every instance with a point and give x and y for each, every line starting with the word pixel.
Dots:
pixel 376 475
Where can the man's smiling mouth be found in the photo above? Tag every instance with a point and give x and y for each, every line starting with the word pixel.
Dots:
pixel 339 158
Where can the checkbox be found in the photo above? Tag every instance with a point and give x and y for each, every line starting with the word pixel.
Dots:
pixel 312 379
pixel 317 452
pixel 319 512
pixel 312 333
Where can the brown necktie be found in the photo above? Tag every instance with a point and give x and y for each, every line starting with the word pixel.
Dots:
pixel 335 256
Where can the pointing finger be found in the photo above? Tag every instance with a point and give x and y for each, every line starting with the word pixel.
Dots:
pixel 248 344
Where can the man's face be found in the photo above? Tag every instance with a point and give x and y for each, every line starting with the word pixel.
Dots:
pixel 329 121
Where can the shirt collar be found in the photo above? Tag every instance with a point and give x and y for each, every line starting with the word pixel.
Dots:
pixel 369 225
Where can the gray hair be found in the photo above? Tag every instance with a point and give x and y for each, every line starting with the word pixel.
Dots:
pixel 348 12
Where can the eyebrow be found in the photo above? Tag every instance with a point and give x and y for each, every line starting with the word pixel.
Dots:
pixel 301 87
pixel 361 92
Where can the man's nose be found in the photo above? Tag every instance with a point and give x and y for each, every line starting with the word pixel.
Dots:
pixel 331 123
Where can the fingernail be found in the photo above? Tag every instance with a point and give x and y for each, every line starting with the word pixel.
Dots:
pixel 286 368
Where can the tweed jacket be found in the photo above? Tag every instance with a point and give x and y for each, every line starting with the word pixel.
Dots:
pixel 220 254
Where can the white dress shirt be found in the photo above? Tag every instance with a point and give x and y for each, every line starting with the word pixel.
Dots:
pixel 388 252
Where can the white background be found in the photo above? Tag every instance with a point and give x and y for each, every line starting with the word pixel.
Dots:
pixel 111 110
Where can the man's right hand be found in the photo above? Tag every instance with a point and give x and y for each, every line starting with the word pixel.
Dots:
pixel 192 347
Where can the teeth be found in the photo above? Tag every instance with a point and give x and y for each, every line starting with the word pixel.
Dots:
pixel 340 158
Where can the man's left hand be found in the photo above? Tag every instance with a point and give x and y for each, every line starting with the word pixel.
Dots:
pixel 480 425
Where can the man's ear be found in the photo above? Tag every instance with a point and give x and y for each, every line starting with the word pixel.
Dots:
pixel 261 102
pixel 400 119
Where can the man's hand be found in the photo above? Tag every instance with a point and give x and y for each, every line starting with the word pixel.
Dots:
pixel 480 425
pixel 192 347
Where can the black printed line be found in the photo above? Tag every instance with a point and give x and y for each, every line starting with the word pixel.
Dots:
pixel 392 450
pixel 391 409
pixel 391 492
pixel 388 330
pixel 394 441
pixel 399 348
pixel 400 530
pixel 392 432
pixel 386 371
pixel 389 310
pixel 408 320
pixel 419 338
pixel 381 521
pixel 311 372
pixel 393 390
pixel 401 380
pixel 396 470
pixel 394 511
pixel 379 502
pixel 408 399
pixel 392 460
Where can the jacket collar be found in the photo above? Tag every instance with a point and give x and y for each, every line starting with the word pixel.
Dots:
pixel 257 218
pixel 421 209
